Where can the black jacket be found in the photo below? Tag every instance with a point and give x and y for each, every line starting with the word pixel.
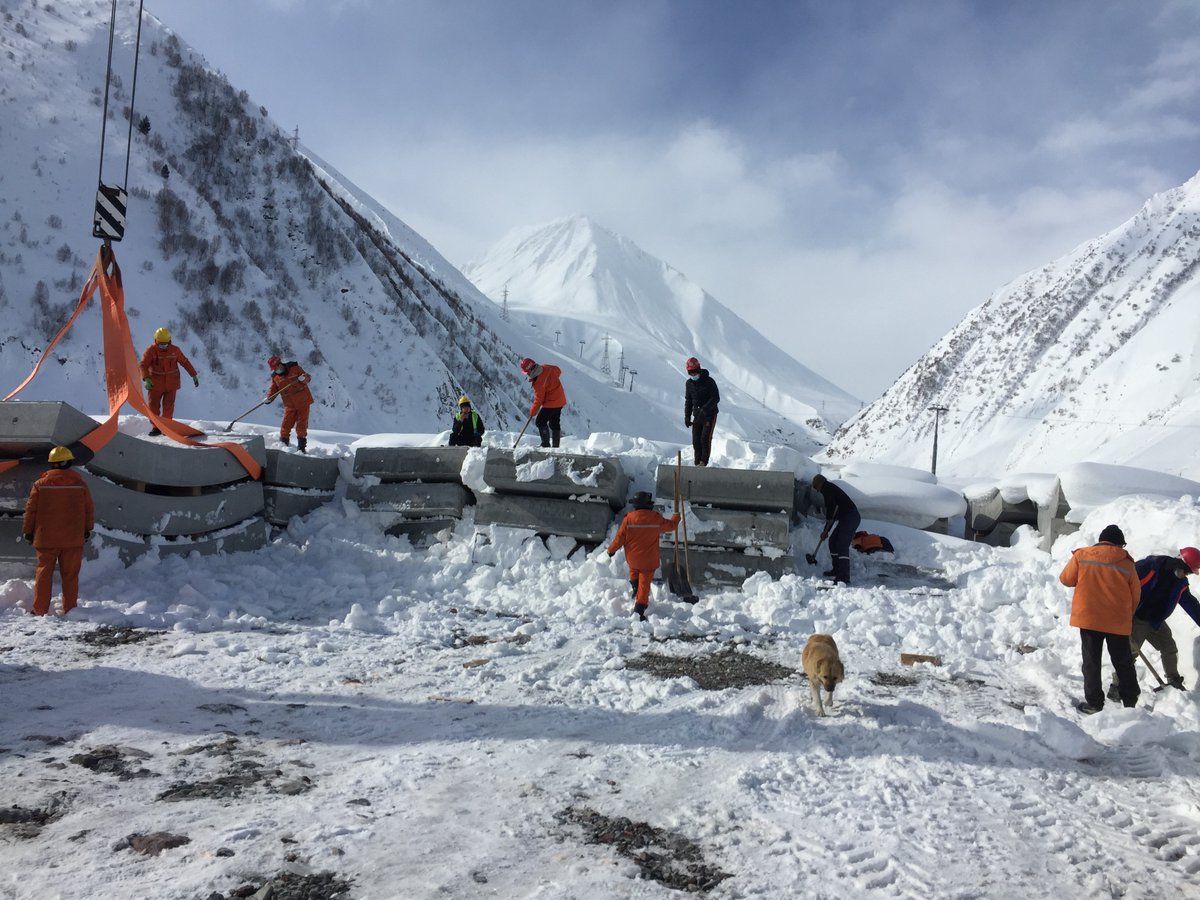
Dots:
pixel 1163 590
pixel 467 431
pixel 838 504
pixel 700 397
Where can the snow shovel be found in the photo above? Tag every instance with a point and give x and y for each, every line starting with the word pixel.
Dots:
pixel 811 558
pixel 679 580
pixel 522 434
pixel 261 402
pixel 1162 685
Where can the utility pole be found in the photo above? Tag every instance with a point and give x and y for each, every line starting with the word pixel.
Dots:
pixel 504 305
pixel 604 366
pixel 937 415
pixel 296 139
pixel 556 334
pixel 632 372
pixel 581 343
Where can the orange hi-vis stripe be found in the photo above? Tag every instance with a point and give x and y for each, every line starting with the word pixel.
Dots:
pixel 122 374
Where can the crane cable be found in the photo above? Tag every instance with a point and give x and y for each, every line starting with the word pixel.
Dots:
pixel 109 222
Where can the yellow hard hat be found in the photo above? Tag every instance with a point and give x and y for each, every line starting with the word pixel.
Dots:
pixel 464 400
pixel 61 454
pixel 162 336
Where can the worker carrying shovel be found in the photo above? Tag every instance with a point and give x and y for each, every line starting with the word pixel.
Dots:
pixel 290 381
pixel 638 534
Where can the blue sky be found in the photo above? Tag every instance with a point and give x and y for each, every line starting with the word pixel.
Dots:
pixel 851 177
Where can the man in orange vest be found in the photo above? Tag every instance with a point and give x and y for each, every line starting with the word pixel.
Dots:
pixel 638 534
pixel 549 398
pixel 291 382
pixel 58 520
pixel 160 375
pixel 1107 591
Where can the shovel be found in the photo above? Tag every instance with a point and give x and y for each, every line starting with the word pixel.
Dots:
pixel 679 580
pixel 812 557
pixel 522 434
pixel 1162 685
pixel 262 402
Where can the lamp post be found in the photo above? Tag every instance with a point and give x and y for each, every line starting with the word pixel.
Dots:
pixel 581 343
pixel 937 415
pixel 632 372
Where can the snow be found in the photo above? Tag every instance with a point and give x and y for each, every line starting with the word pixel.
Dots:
pixel 424 717
pixel 903 500
pixel 1087 485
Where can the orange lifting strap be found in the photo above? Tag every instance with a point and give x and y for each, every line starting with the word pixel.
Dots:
pixel 122 375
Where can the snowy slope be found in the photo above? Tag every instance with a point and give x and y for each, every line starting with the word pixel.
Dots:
pixel 1095 356
pixel 574 281
pixel 474 721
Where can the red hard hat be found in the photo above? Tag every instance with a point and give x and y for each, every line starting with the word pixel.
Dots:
pixel 1191 556
pixel 274 361
pixel 692 365
pixel 527 365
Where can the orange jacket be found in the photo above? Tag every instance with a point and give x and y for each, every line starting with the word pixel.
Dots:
pixel 58 511
pixel 293 386
pixel 548 390
pixel 162 366
pixel 638 534
pixel 1107 589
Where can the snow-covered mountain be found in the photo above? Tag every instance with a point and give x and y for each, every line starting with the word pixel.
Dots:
pixel 1095 356
pixel 244 243
pixel 599 297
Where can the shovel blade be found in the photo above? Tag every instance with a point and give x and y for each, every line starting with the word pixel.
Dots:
pixel 677 582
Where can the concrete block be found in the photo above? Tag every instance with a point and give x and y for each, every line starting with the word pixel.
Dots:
pixel 413 499
pixel 28 426
pixel 1051 519
pixel 249 535
pixel 736 528
pixel 132 459
pixel 300 470
pixel 421 532
pixel 410 463
pixel 543 473
pixel 15 485
pixel 143 513
pixel 586 522
pixel 729 488
pixel 986 512
pixel 17 558
pixel 280 503
pixel 713 566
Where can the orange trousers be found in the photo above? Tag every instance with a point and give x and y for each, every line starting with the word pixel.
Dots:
pixel 162 403
pixel 294 415
pixel 68 559
pixel 639 580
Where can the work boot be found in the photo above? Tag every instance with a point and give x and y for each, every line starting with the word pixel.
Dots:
pixel 1176 681
pixel 1114 691
pixel 302 444
pixel 285 439
pixel 1087 709
pixel 640 612
pixel 828 573
pixel 154 432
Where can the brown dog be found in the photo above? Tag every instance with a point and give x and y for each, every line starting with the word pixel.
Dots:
pixel 823 666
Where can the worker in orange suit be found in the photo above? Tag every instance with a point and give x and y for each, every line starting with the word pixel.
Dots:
pixel 160 374
pixel 290 381
pixel 638 534
pixel 58 520
pixel 549 398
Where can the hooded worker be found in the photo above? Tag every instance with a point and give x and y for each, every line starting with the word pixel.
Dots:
pixel 549 398
pixel 160 375
pixel 467 429
pixel 58 520
pixel 701 397
pixel 290 381
pixel 638 534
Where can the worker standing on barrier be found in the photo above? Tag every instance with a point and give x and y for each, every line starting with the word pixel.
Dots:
pixel 58 520
pixel 160 375
pixel 701 398
pixel 549 398
pixel 290 381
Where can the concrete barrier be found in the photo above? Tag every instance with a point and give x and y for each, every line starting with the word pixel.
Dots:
pixel 410 463
pixel 748 489
pixel 298 470
pixel 17 558
pixel 33 426
pixel 165 463
pixel 15 485
pixel 587 522
pixel 985 513
pixel 421 532
pixel 737 528
pixel 1052 519
pixel 142 513
pixel 248 535
pixel 281 503
pixel 543 473
pixel 715 566
pixel 413 499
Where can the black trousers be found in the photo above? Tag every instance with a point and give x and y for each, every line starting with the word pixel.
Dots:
pixel 549 426
pixel 839 544
pixel 702 435
pixel 1091 643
